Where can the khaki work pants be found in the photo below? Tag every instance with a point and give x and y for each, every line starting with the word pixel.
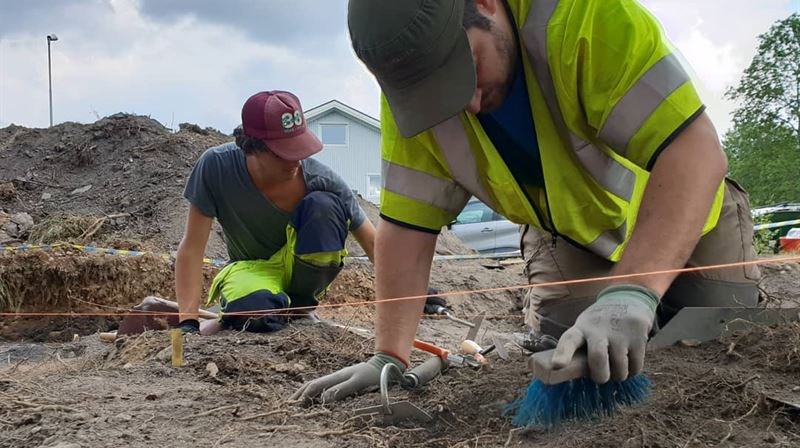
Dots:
pixel 551 310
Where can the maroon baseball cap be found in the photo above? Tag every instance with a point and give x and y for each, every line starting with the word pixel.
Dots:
pixel 277 118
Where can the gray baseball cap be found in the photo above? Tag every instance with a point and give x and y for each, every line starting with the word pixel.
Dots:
pixel 419 53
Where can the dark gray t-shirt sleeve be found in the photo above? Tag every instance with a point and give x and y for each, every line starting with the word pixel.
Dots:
pixel 199 191
pixel 325 179
pixel 349 198
pixel 351 202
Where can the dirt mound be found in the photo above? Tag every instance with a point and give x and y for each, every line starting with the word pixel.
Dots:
pixel 125 165
pixel 126 170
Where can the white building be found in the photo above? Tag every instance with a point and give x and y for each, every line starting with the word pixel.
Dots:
pixel 352 148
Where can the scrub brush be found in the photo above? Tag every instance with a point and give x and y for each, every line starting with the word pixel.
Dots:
pixel 558 395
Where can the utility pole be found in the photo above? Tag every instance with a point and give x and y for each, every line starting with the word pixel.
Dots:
pixel 50 38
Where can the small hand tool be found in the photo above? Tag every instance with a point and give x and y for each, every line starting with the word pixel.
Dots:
pixel 390 413
pixel 443 311
pixel 450 359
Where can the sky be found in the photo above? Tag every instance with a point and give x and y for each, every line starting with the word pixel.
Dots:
pixel 197 61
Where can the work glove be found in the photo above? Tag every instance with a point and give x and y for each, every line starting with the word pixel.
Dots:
pixel 434 303
pixel 614 330
pixel 189 326
pixel 348 381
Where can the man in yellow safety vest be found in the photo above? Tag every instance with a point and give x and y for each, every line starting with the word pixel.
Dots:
pixel 573 118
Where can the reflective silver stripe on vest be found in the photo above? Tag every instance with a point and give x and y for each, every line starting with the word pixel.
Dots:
pixel 423 187
pixel 641 100
pixel 453 142
pixel 609 173
pixel 612 175
pixel 608 241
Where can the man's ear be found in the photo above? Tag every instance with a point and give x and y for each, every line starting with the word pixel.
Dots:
pixel 488 7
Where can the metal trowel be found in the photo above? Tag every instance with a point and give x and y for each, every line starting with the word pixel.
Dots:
pixel 390 413
pixel 703 324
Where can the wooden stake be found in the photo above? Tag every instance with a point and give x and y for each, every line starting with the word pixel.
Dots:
pixel 177 347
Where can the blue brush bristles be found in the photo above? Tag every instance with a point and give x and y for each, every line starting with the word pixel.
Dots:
pixel 549 405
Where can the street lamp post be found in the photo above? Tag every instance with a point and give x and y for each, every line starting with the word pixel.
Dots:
pixel 50 38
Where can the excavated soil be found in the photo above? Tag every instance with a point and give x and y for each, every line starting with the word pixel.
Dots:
pixel 116 183
pixel 121 165
pixel 234 391
pixel 128 169
pixel 60 386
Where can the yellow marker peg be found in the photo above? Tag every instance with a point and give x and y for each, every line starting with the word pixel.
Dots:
pixel 177 347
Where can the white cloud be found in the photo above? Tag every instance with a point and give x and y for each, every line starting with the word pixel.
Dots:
pixel 186 70
pixel 718 40
pixel 199 67
pixel 719 65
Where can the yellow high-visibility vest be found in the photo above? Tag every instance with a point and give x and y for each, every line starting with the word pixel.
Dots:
pixel 607 95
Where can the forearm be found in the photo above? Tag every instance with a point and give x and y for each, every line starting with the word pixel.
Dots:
pixel 675 206
pixel 188 282
pixel 365 235
pixel 369 250
pixel 402 267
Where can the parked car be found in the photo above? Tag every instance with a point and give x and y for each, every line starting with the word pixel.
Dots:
pixel 484 230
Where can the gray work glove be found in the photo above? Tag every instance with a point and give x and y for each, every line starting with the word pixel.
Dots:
pixel 348 381
pixel 614 330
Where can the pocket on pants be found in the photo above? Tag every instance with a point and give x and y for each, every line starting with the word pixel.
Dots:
pixel 740 196
pixel 730 242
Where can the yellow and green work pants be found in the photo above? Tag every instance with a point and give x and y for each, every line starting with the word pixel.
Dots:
pixel 258 295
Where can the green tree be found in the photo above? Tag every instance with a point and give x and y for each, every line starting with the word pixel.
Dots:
pixel 763 146
pixel 766 161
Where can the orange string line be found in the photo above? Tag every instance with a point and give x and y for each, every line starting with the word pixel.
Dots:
pixel 444 294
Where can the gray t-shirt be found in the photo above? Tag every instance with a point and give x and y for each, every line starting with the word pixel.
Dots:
pixel 220 187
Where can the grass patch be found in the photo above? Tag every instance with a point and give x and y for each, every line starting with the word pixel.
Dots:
pixel 60 228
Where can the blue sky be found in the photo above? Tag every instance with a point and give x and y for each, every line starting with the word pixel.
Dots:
pixel 198 60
